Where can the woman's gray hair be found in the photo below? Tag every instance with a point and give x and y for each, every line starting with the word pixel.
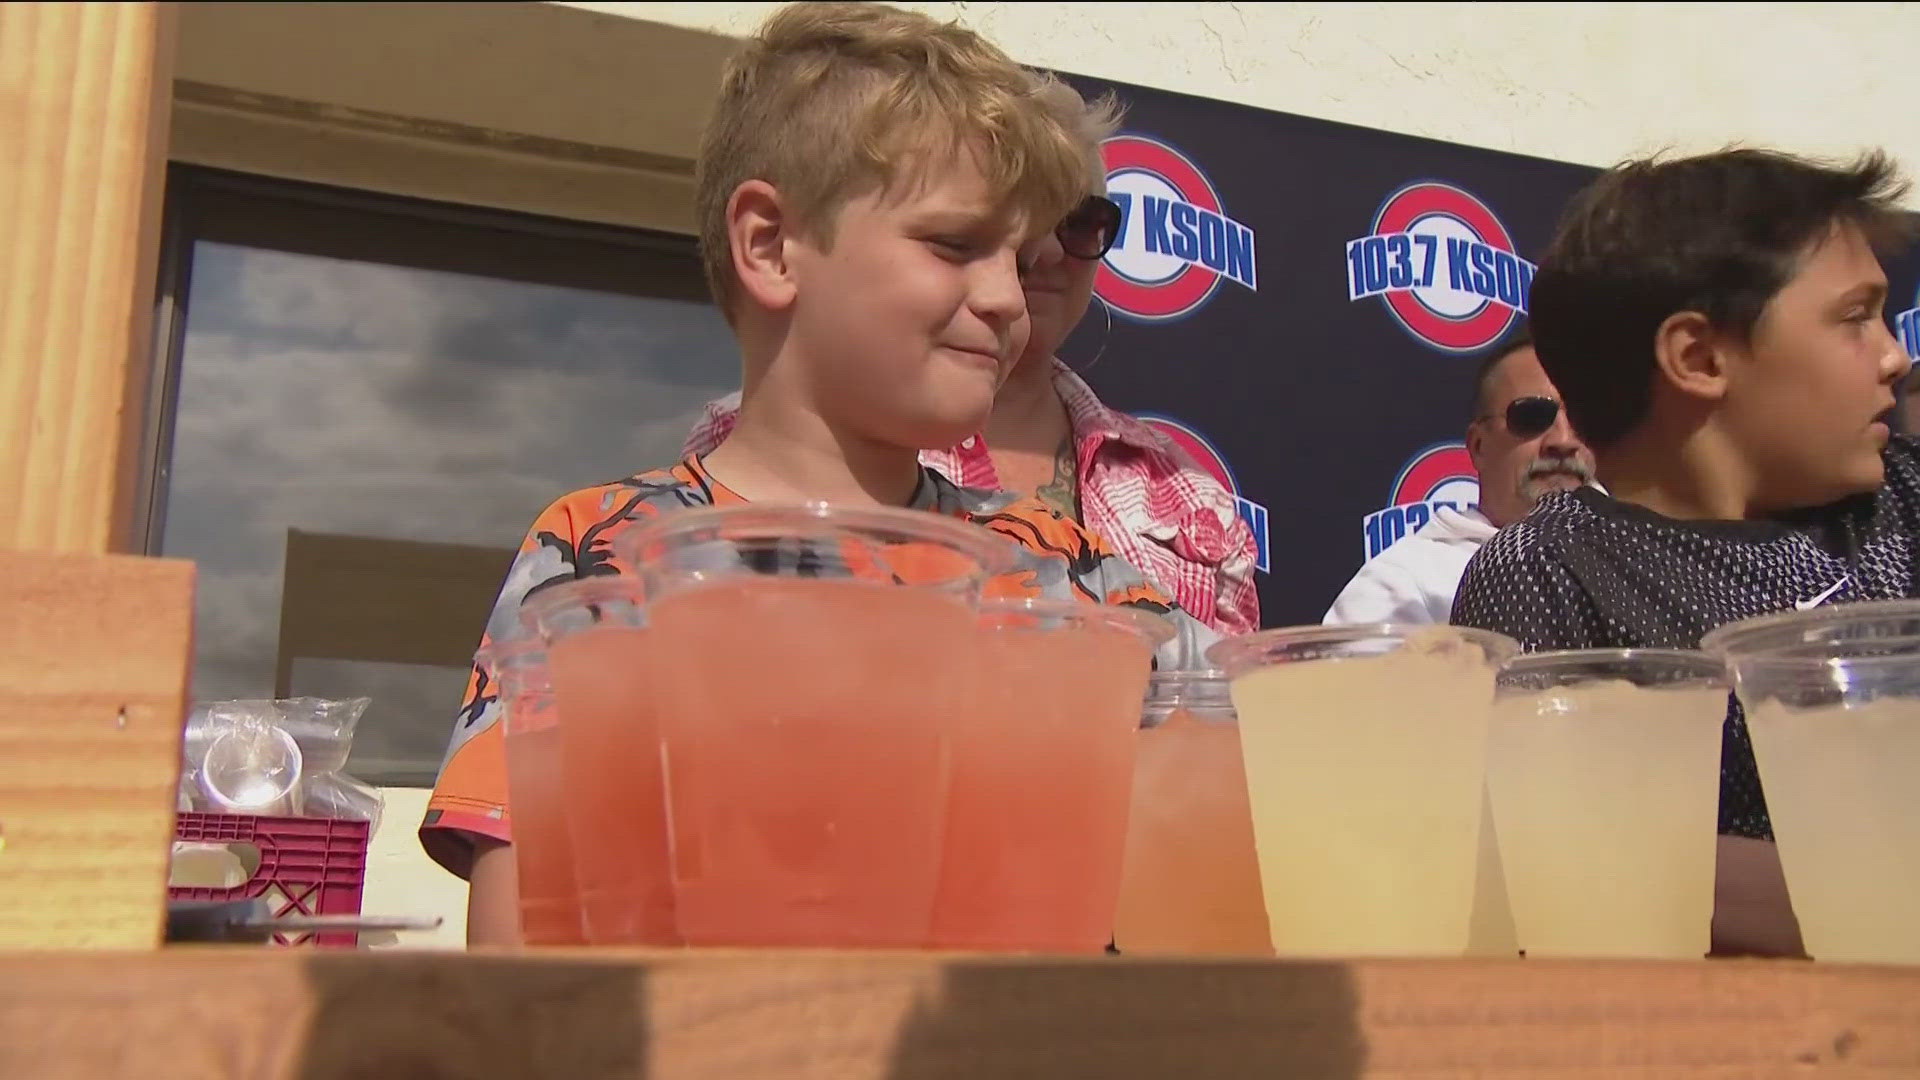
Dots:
pixel 1091 122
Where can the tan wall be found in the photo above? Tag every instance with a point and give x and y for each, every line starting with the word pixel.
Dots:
pixel 1588 82
pixel 527 107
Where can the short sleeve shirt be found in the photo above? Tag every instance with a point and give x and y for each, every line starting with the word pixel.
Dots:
pixel 1587 571
pixel 573 538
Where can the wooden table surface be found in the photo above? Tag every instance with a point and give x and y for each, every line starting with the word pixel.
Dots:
pixel 209 1014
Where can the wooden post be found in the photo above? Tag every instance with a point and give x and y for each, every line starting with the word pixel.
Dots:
pixel 93 678
pixel 94 647
pixel 85 93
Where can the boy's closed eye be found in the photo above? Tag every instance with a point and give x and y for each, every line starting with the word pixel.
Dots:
pixel 961 235
pixel 1863 305
pixel 957 248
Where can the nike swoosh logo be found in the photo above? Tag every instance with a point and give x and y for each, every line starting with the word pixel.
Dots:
pixel 1815 601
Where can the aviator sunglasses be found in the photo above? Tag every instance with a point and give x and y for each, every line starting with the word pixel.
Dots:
pixel 1529 416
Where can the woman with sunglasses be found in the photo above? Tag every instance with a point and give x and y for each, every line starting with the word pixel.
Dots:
pixel 1522 447
pixel 1049 435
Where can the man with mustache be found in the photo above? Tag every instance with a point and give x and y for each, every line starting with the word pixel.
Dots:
pixel 1522 447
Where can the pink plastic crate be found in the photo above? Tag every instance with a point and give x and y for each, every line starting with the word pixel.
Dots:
pixel 308 866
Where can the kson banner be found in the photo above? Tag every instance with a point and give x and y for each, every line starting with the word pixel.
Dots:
pixel 1302 304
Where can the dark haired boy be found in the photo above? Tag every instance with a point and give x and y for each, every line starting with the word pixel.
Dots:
pixel 1715 327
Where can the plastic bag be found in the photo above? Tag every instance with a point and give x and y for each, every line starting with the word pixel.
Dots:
pixel 322 735
pixel 323 728
pixel 337 795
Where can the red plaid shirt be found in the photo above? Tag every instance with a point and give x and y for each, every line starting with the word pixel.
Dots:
pixel 1158 509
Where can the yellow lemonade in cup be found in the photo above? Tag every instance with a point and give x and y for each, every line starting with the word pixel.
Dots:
pixel 1832 700
pixel 1365 750
pixel 1604 769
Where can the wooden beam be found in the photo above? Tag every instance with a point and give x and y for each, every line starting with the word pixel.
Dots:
pixel 94 651
pixel 213 1014
pixel 84 101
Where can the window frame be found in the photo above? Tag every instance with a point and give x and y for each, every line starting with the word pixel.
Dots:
pixel 301 217
pixel 223 206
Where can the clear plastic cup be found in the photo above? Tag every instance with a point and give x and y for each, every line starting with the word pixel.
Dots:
pixel 815 667
pixel 543 854
pixel 606 687
pixel 1191 883
pixel 1365 753
pixel 1604 768
pixel 253 768
pixel 1832 700
pixel 1042 769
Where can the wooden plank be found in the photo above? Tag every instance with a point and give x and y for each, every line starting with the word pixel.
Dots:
pixel 94 652
pixel 210 1014
pixel 84 92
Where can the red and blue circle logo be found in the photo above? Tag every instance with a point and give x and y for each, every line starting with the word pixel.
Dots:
pixel 1176 243
pixel 1444 265
pixel 1202 451
pixel 1907 326
pixel 1442 472
pixel 1440 475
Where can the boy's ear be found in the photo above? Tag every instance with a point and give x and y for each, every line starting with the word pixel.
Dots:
pixel 757 233
pixel 1689 355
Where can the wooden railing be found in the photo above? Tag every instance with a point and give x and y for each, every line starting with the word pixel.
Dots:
pixel 210 1015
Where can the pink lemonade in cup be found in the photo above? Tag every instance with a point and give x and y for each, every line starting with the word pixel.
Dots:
pixel 605 688
pixel 543 855
pixel 815 664
pixel 1042 768
pixel 1191 884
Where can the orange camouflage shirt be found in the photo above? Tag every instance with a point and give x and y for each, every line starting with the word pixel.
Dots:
pixel 573 539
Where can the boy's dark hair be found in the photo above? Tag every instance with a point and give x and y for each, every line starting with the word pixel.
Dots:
pixel 1505 347
pixel 1719 234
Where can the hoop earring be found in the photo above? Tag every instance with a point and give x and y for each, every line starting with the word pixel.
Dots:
pixel 1105 337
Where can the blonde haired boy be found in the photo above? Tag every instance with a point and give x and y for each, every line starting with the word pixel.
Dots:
pixel 866 182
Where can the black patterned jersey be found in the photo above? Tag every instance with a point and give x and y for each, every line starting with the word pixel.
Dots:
pixel 1587 571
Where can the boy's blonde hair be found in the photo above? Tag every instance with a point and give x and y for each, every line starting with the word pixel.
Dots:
pixel 830 101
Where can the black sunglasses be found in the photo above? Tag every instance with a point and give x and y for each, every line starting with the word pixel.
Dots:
pixel 1529 416
pixel 1089 230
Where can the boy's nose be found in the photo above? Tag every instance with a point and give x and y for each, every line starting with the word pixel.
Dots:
pixel 997 295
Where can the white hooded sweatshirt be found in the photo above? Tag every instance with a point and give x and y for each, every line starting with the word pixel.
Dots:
pixel 1414 580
